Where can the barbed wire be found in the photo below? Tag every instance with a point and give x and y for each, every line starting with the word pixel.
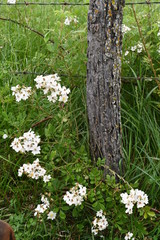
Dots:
pixel 147 2
pixel 125 79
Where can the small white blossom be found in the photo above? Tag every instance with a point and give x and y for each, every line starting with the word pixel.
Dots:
pixel 75 20
pixel 51 215
pixel 16 145
pixel 69 20
pixel 34 171
pixel 41 208
pixel 76 195
pixel 126 53
pixel 135 197
pixel 21 93
pixel 5 136
pixel 11 1
pixel 99 223
pixel 28 142
pixel 99 213
pixel 125 29
pixel 46 178
pixel 51 85
pixel 133 48
pixel 138 47
pixel 128 236
pixel 45 200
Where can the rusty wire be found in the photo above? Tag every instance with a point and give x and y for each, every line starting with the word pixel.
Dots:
pixel 148 2
pixel 125 79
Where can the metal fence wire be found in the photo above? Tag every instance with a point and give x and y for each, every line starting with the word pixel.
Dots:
pixel 25 3
pixel 148 2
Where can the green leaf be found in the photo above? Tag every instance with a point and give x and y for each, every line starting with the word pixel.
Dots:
pixel 151 214
pixel 52 155
pixel 62 215
pixel 145 216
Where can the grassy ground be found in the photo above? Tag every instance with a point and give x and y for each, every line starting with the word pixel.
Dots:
pixel 65 136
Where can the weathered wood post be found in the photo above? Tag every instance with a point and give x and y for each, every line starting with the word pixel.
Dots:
pixel 104 80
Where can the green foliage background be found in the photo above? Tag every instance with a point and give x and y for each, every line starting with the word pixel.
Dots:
pixel 65 145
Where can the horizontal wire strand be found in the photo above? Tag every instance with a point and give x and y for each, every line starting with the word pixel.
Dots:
pixel 125 78
pixel 71 4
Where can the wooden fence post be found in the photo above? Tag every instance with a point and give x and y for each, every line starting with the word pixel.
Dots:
pixel 104 81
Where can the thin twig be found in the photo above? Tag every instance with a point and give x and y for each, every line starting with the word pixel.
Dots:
pixel 43 120
pixel 144 44
pixel 155 210
pixel 117 175
pixel 25 26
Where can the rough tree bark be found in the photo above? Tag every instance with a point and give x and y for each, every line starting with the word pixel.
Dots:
pixel 103 79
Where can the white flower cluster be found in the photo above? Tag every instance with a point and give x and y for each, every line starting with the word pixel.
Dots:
pixel 138 47
pixel 125 29
pixel 76 195
pixel 34 171
pixel 28 142
pixel 100 223
pixel 135 197
pixel 11 1
pixel 128 236
pixel 68 20
pixel 21 93
pixel 41 208
pixel 50 85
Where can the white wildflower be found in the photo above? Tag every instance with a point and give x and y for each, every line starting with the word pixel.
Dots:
pixel 34 171
pixel 135 197
pixel 128 236
pixel 28 142
pixel 46 178
pixel 69 20
pixel 126 53
pixel 5 136
pixel 41 208
pixel 21 93
pixel 138 47
pixel 11 1
pixel 133 48
pixel 51 215
pixel 76 195
pixel 125 29
pixel 99 223
pixel 51 85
